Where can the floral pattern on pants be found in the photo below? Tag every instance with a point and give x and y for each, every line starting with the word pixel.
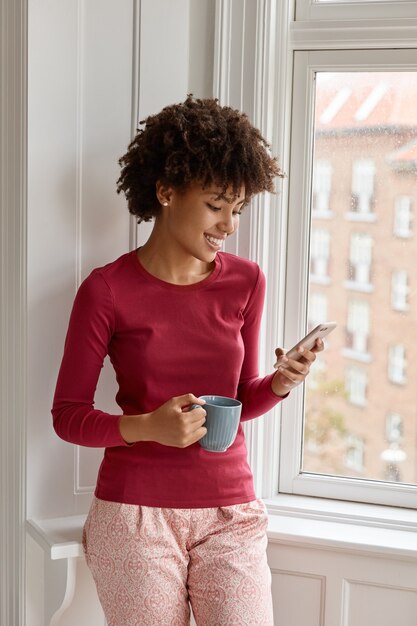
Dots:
pixel 150 563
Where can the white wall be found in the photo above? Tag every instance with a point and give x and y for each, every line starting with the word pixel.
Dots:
pixel 80 75
pixel 95 66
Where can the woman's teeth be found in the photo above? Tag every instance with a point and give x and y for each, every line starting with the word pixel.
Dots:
pixel 213 240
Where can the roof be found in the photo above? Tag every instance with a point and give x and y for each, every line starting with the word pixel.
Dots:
pixel 405 157
pixel 358 100
pixel 370 101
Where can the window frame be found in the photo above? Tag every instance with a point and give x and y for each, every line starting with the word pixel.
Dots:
pixel 371 9
pixel 400 291
pixel 305 64
pixel 262 85
pixel 400 212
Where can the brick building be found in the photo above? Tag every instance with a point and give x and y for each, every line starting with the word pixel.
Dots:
pixel 361 413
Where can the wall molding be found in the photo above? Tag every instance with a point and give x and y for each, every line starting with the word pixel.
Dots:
pixel 79 144
pixel 137 5
pixel 13 182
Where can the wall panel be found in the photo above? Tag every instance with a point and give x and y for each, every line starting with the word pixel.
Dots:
pixel 298 598
pixel 385 605
pixel 328 586
pixel 80 101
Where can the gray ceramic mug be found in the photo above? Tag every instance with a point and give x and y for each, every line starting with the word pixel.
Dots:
pixel 222 422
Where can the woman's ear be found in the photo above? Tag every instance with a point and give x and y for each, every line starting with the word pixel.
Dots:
pixel 163 193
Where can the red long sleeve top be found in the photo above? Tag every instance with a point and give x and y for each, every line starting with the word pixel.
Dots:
pixel 164 340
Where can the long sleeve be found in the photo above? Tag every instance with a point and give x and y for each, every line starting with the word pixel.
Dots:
pixel 90 330
pixel 254 392
pixel 164 340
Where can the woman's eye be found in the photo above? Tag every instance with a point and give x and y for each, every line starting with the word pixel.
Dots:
pixel 217 208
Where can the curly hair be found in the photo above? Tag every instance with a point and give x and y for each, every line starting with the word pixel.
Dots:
pixel 195 141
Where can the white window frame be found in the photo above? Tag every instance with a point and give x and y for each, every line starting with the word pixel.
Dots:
pixel 319 255
pixel 317 308
pixel 291 479
pixel 309 10
pixel 403 217
pixel 356 385
pixel 394 428
pixel 397 364
pixel 360 260
pixel 400 290
pixel 358 326
pixel 363 186
pixel 355 452
pixel 262 85
pixel 322 189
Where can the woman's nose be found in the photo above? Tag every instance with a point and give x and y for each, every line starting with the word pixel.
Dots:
pixel 227 224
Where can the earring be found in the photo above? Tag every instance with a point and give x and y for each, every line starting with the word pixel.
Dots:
pixel 165 203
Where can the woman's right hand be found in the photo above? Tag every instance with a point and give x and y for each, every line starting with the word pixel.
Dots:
pixel 172 424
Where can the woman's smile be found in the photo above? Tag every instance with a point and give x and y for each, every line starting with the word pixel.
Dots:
pixel 214 242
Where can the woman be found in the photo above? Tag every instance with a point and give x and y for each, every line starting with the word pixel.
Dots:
pixel 171 523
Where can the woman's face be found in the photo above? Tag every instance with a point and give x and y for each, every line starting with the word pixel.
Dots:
pixel 198 220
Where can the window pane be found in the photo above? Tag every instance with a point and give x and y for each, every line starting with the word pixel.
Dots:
pixel 361 409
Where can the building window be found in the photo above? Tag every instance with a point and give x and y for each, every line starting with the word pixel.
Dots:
pixel 356 385
pixel 319 255
pixel 397 364
pixel 363 182
pixel 360 262
pixel 322 184
pixel 357 338
pixel 403 217
pixel 399 290
pixel 354 454
pixel 394 428
pixel 317 309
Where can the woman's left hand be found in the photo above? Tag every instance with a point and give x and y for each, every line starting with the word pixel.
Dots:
pixel 291 373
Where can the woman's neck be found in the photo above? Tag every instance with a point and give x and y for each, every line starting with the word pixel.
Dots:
pixel 166 262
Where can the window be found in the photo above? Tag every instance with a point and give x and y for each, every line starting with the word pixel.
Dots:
pixel 357 335
pixel 394 428
pixel 394 456
pixel 397 364
pixel 322 184
pixel 360 262
pixel 354 140
pixel 363 181
pixel 318 309
pixel 355 448
pixel 356 383
pixel 399 290
pixel 320 251
pixel 403 217
pixel 339 110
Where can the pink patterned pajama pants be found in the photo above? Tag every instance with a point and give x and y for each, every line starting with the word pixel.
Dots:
pixel 150 563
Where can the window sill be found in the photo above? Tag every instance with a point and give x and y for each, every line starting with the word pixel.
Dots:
pixel 363 357
pixel 322 215
pixel 404 235
pixel 293 520
pixel 342 526
pixel 358 286
pixel 352 216
pixel 318 279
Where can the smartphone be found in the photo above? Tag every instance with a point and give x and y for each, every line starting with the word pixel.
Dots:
pixel 320 331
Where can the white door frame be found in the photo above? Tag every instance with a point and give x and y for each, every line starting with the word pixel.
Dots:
pixel 13 177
